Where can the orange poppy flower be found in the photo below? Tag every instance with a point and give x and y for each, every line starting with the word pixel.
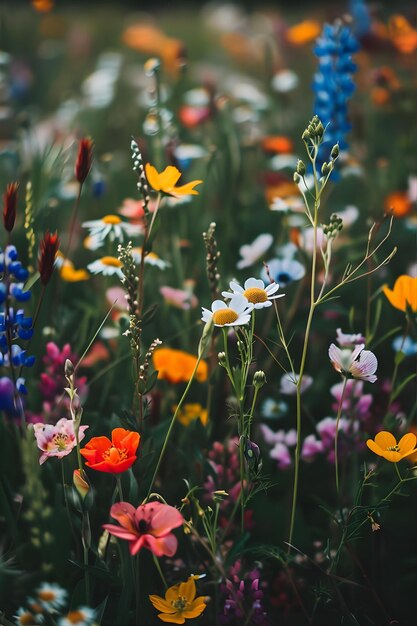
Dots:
pixel 303 33
pixel 115 456
pixel 398 203
pixel 43 6
pixel 152 41
pixel 386 445
pixel 70 275
pixel 179 603
pixel 166 181
pixel 404 293
pixel 177 366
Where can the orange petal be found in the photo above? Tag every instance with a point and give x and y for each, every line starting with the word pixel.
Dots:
pixel 171 619
pixel 153 177
pixel 385 440
pixel 392 456
pixel 188 589
pixel 407 443
pixel 374 447
pixel 394 298
pixel 162 605
pixel 187 189
pixel 169 177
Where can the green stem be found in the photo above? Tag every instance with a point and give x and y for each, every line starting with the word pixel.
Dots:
pixel 336 450
pixel 158 567
pixel 171 426
pixel 119 487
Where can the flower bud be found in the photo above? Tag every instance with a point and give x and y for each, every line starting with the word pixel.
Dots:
pixel 69 368
pixel 80 484
pixel 301 168
pixel 9 206
pixel 335 151
pixel 296 178
pixel 306 135
pixel 222 358
pixel 259 379
pixel 84 159
pixel 325 168
pixel 47 252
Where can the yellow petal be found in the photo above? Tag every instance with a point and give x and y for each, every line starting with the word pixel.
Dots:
pixel 171 619
pixel 169 177
pixel 171 594
pixel 162 605
pixel 385 440
pixel 391 455
pixel 407 443
pixel 409 286
pixel 374 447
pixel 187 189
pixel 394 298
pixel 153 177
pixel 196 608
pixel 188 589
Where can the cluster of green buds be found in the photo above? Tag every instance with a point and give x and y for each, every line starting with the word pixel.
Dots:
pixel 334 227
pixel 328 167
pixel 314 131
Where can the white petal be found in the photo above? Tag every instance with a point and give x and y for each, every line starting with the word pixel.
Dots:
pixel 254 282
pixel 218 305
pixel 335 356
pixel 227 294
pixel 235 287
pixel 271 288
pixel 238 303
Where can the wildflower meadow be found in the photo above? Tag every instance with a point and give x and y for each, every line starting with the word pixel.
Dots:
pixel 208 313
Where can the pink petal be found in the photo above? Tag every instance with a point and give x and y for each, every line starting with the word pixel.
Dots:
pixel 124 513
pixel 120 532
pixel 165 519
pixel 161 546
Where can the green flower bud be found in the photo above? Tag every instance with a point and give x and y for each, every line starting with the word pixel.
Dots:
pixel 259 379
pixel 296 178
pixel 301 168
pixel 335 151
pixel 325 169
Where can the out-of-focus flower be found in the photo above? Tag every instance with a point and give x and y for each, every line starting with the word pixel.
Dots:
pixel 284 81
pixel 185 154
pixel 273 409
pixel 98 352
pixel 289 382
pixel 252 252
pixel 255 292
pixel 348 341
pixel 180 603
pixel 149 526
pixel 43 6
pixel 107 265
pixel 355 403
pixel 237 313
pixel 402 35
pixel 405 345
pixel 398 203
pixel 48 250
pixel 278 144
pixel 404 294
pixel 84 159
pixel 24 617
pixel 111 227
pixel 243 598
pixel 311 447
pixel 151 258
pixel 166 181
pixel 134 210
pixel 283 271
pixel 51 597
pixel 56 440
pixel 281 442
pixel 179 298
pixel 191 412
pixel 386 445
pixel 177 366
pixel 83 616
pixel 358 363
pixel 303 33
pixel 67 271
pixel 150 40
pixel 115 456
pixel 10 206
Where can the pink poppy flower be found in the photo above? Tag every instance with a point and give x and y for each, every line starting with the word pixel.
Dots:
pixel 180 298
pixel 149 526
pixel 56 440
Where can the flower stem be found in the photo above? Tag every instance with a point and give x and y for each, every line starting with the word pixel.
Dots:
pixel 336 451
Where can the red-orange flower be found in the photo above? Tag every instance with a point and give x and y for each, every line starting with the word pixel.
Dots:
pixel 115 456
pixel 398 203
pixel 177 366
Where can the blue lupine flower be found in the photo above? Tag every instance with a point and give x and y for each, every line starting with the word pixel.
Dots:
pixel 361 19
pixel 14 326
pixel 333 85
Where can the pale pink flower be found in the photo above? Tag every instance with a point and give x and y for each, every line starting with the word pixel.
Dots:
pixel 311 447
pixel 281 454
pixel 149 526
pixel 348 341
pixel 288 384
pixel 358 363
pixel 56 440
pixel 179 298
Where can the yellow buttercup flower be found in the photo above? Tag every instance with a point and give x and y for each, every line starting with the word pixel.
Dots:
pixel 404 293
pixel 386 445
pixel 70 275
pixel 179 603
pixel 190 412
pixel 166 181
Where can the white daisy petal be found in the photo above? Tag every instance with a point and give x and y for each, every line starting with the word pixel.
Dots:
pixel 250 283
pixel 217 305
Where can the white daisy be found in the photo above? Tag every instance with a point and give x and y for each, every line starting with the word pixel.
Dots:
pixel 151 258
pixel 110 226
pixel 23 616
pixel 51 597
pixel 84 616
pixel 252 252
pixel 255 292
pixel 107 265
pixel 236 314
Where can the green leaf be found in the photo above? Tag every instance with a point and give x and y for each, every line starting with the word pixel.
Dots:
pixel 403 385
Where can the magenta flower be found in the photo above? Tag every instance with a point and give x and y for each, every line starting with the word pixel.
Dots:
pixel 358 363
pixel 56 440
pixel 311 447
pixel 149 526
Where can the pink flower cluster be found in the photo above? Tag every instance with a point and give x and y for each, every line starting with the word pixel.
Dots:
pixel 282 442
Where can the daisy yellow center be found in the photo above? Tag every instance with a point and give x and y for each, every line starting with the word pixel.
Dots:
pixel 111 219
pixel 181 603
pixel 255 295
pixel 152 255
pixel 111 261
pixel 224 316
pixel 47 595
pixel 26 618
pixel 76 617
pixel 395 448
pixel 60 441
pixel 114 455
